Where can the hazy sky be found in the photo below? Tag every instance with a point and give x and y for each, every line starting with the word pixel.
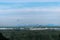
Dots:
pixel 14 12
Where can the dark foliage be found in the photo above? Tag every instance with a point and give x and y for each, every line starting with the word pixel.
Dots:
pixel 2 37
pixel 32 35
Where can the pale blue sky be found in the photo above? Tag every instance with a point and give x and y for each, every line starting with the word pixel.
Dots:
pixel 29 12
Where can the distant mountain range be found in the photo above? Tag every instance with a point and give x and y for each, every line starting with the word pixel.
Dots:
pixel 33 25
pixel 37 25
pixel 52 25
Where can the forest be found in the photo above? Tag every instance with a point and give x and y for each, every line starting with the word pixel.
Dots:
pixel 31 34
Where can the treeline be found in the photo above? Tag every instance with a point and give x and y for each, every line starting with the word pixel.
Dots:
pixel 32 35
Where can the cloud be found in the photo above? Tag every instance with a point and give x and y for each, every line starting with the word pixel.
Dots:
pixel 27 10
pixel 29 5
pixel 29 0
pixel 29 13
pixel 50 15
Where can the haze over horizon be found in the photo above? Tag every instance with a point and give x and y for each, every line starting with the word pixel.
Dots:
pixel 14 12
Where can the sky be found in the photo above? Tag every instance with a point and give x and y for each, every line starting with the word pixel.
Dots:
pixel 14 12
